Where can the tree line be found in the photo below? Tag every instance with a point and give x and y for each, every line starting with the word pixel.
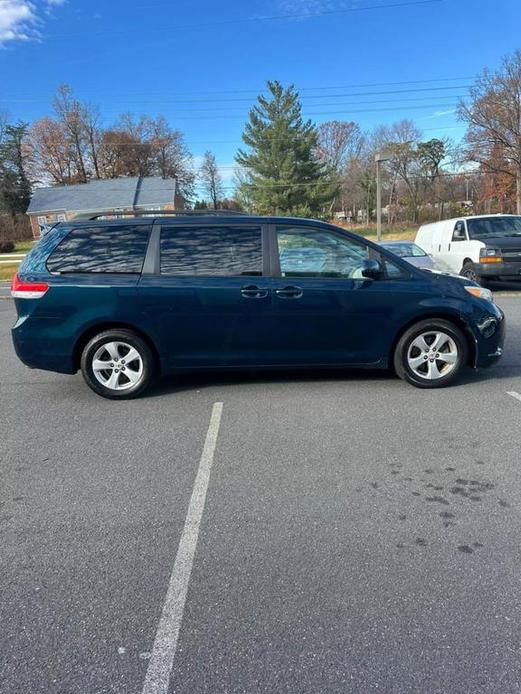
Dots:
pixel 287 165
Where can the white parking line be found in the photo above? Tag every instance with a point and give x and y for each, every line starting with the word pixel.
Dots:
pixel 165 644
pixel 515 395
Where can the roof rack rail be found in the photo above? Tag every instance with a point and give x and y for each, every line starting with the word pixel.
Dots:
pixel 155 213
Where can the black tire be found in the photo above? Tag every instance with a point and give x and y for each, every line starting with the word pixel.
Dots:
pixel 405 347
pixel 468 270
pixel 143 367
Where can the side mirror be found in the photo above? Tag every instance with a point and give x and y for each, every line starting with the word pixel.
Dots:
pixel 372 269
pixel 459 235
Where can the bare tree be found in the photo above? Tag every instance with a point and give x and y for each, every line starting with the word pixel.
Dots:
pixel 69 112
pixel 400 142
pixel 493 116
pixel 52 152
pixel 90 117
pixel 138 156
pixel 338 142
pixel 170 154
pixel 211 179
pixel 118 152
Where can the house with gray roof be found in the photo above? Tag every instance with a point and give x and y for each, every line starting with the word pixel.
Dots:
pixel 118 195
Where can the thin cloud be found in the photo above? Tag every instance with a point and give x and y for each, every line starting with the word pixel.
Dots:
pixel 309 8
pixel 440 114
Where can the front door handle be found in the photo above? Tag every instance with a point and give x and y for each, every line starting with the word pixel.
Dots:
pixel 289 293
pixel 254 292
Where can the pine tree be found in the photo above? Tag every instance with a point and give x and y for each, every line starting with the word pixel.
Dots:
pixel 15 187
pixel 282 174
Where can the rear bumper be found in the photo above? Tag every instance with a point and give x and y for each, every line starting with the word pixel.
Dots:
pixel 39 347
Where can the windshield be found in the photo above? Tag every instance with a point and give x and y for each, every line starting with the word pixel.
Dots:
pixel 494 226
pixel 405 250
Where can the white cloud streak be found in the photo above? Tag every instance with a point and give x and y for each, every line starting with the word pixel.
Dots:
pixel 21 19
pixel 309 8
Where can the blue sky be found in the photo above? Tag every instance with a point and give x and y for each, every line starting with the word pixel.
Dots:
pixel 201 64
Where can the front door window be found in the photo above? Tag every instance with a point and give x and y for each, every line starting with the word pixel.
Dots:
pixel 316 253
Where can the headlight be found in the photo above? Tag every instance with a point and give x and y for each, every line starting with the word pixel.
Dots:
pixel 490 255
pixel 481 293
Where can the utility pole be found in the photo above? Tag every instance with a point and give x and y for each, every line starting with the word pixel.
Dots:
pixel 379 158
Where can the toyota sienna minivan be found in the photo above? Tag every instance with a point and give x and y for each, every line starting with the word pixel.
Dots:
pixel 127 299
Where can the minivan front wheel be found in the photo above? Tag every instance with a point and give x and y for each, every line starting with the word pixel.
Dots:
pixel 470 273
pixel 431 353
pixel 117 364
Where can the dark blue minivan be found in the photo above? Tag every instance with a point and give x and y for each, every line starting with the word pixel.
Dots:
pixel 126 299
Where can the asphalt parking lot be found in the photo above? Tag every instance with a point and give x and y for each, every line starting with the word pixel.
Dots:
pixel 357 535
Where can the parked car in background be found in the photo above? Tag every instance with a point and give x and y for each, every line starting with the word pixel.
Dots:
pixel 127 299
pixel 481 248
pixel 412 253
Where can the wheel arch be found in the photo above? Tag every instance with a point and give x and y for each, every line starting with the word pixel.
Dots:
pixel 93 330
pixel 440 315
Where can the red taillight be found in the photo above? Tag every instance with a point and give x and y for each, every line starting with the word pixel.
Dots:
pixel 27 290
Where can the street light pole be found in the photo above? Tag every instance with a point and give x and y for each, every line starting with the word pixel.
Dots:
pixel 378 161
pixel 379 158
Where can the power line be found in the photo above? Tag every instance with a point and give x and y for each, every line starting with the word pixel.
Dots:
pixel 311 96
pixel 242 20
pixel 115 144
pixel 327 182
pixel 328 113
pixel 230 110
pixel 255 91
pixel 339 181
pixel 239 142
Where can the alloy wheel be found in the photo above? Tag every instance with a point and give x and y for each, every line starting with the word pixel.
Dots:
pixel 117 365
pixel 470 274
pixel 432 355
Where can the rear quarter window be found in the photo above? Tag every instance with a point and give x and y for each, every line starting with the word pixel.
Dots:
pixel 35 260
pixel 115 249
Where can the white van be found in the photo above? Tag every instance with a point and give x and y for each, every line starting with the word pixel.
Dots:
pixel 480 248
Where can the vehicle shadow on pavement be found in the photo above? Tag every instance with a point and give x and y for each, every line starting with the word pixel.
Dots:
pixel 197 381
pixel 194 382
pixel 503 286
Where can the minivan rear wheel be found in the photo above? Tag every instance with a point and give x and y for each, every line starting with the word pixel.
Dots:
pixel 431 353
pixel 117 364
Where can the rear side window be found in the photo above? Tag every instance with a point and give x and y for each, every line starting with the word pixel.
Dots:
pixel 211 251
pixel 116 249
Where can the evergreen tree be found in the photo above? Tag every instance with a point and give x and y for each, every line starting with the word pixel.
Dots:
pixel 15 187
pixel 282 174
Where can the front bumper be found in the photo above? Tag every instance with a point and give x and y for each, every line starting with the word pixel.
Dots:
pixel 505 270
pixel 489 334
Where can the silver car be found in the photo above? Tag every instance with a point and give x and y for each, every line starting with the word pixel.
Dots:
pixel 412 253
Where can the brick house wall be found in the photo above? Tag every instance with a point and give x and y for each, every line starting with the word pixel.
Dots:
pixel 63 203
pixel 45 218
pixel 48 218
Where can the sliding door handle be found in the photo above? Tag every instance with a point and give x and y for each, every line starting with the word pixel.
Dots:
pixel 289 293
pixel 254 292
